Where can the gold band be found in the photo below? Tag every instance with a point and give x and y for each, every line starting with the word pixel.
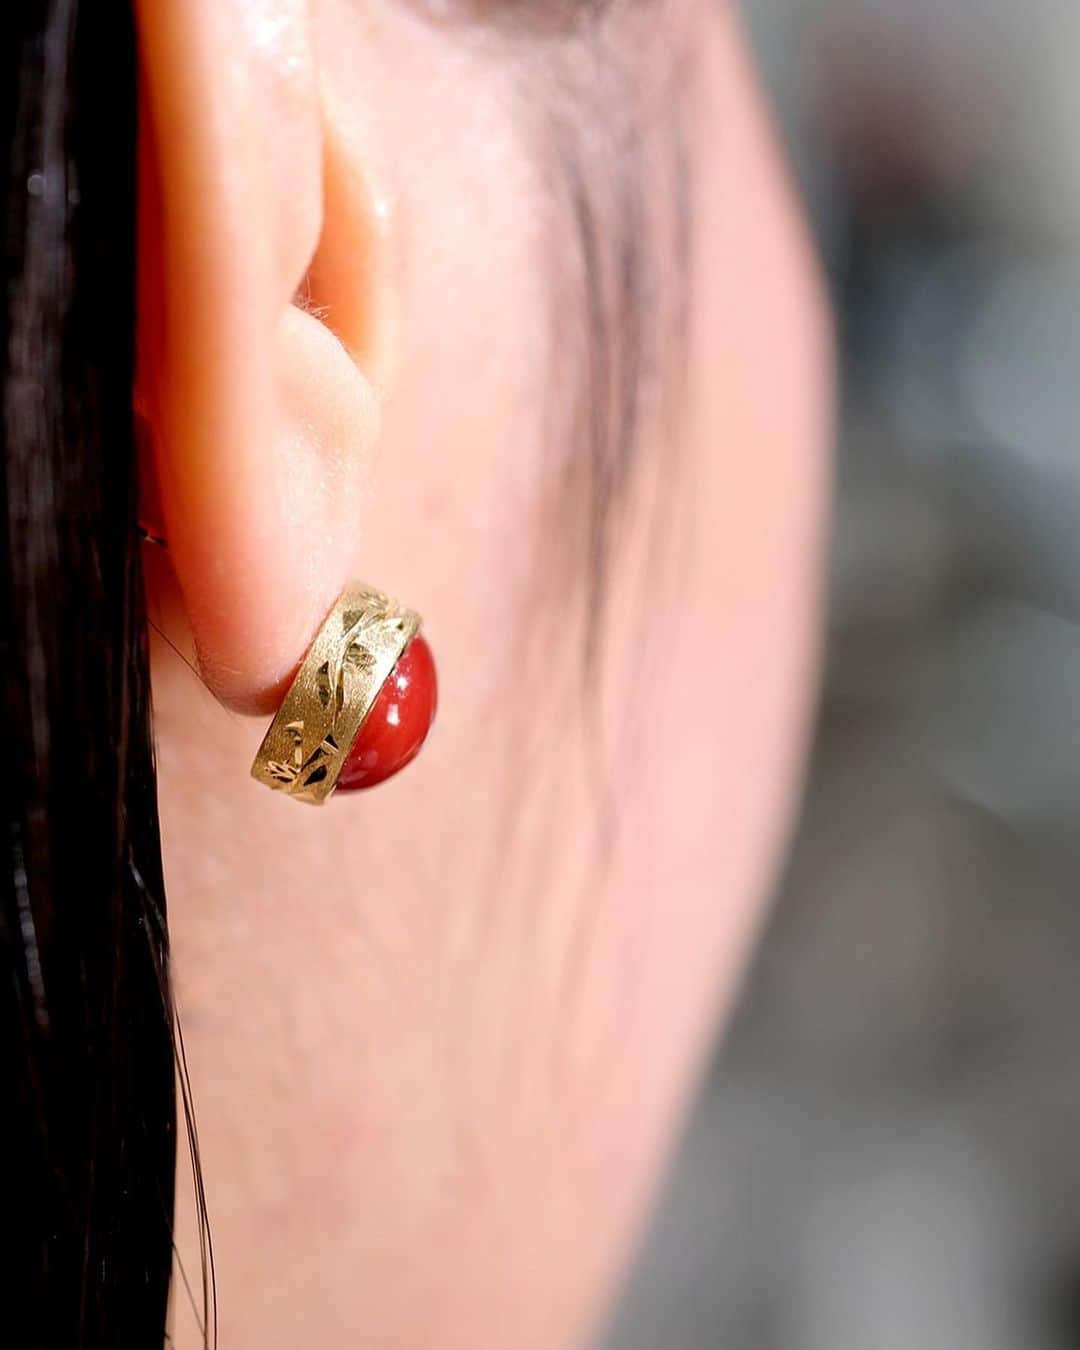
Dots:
pixel 339 679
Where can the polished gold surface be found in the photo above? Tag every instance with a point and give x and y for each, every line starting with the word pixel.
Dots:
pixel 339 679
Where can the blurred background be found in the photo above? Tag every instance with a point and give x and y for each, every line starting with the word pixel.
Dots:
pixel 887 1151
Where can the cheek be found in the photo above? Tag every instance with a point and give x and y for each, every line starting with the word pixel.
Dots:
pixel 729 628
pixel 452 514
pixel 717 637
pixel 762 387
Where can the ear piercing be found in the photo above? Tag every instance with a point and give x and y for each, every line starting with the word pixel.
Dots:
pixel 361 704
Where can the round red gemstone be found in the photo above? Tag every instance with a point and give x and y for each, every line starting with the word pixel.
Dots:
pixel 398 723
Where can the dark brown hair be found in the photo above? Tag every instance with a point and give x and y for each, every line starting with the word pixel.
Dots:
pixel 86 1053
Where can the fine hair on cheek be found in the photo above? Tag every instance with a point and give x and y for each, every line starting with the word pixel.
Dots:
pixel 605 116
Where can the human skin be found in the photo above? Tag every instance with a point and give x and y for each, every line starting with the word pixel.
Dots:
pixel 440 1035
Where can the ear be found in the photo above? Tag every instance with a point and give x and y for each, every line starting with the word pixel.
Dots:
pixel 262 422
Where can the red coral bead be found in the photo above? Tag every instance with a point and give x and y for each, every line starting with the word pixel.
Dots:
pixel 398 723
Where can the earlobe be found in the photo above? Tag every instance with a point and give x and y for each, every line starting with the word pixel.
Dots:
pixel 262 412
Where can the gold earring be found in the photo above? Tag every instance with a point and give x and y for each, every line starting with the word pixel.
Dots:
pixel 360 706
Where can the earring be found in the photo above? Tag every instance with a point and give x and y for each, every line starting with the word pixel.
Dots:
pixel 361 704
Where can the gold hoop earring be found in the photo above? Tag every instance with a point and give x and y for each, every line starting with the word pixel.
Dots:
pixel 360 706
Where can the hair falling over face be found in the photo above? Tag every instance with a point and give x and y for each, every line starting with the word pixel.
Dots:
pixel 87 1035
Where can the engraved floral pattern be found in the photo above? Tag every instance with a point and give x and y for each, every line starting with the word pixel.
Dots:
pixel 308 741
